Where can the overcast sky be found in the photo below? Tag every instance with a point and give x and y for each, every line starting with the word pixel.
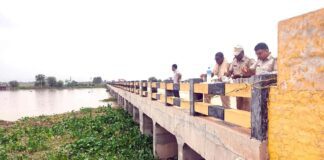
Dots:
pixel 133 39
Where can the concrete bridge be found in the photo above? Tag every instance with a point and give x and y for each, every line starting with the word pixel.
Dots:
pixel 286 116
pixel 193 129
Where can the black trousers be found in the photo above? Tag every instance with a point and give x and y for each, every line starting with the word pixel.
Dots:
pixel 176 93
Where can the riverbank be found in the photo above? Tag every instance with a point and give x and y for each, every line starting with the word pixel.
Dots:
pixel 91 133
pixel 64 87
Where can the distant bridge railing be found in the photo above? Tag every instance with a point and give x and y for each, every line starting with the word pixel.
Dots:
pixel 256 88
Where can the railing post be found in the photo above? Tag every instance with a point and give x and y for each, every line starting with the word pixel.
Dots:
pixel 143 88
pixel 167 92
pixel 259 107
pixel 192 96
pixel 176 100
pixel 153 90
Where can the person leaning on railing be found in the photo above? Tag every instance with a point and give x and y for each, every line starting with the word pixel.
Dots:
pixel 219 72
pixel 235 71
pixel 265 63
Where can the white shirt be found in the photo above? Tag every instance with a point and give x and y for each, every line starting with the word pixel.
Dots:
pixel 176 76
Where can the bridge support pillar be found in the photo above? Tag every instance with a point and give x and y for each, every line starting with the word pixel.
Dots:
pixel 146 124
pixel 164 143
pixel 129 108
pixel 136 114
pixel 125 104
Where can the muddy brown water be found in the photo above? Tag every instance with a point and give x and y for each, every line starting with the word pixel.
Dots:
pixel 21 103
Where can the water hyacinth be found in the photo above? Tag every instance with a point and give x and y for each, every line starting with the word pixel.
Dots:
pixel 91 133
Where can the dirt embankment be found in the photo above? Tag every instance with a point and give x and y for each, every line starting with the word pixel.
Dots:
pixel 5 124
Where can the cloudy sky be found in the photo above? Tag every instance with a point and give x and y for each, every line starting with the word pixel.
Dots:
pixel 133 39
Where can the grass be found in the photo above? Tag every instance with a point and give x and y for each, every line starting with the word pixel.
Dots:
pixel 91 133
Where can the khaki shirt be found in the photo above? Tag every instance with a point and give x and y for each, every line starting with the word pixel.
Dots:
pixel 236 66
pixel 221 70
pixel 264 66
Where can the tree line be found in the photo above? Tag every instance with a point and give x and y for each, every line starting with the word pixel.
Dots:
pixel 41 81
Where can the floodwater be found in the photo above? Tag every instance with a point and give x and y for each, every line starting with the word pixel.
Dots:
pixel 21 103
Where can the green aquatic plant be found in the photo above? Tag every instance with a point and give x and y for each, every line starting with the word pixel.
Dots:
pixel 91 133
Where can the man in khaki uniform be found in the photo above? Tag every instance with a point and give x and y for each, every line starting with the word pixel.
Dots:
pixel 220 70
pixel 235 71
pixel 265 64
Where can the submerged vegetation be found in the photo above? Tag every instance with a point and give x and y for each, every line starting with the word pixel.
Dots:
pixel 100 133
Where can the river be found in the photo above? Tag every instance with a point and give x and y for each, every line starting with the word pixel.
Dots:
pixel 21 103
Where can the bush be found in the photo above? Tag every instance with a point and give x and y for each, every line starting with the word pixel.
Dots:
pixel 51 81
pixel 14 84
pixel 59 84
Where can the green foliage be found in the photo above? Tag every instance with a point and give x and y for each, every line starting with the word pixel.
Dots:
pixel 152 79
pixel 51 81
pixel 59 84
pixel 72 84
pixel 97 80
pixel 40 80
pixel 102 133
pixel 14 84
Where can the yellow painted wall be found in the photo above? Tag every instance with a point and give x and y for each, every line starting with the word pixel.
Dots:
pixel 296 106
pixel 296 125
pixel 301 52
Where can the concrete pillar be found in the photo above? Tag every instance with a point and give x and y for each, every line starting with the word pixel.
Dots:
pixel 146 125
pixel 135 114
pixel 130 109
pixel 141 121
pixel 180 148
pixel 164 143
pixel 125 103
pixel 119 100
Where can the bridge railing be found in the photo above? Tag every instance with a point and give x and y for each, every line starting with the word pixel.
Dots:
pixel 256 88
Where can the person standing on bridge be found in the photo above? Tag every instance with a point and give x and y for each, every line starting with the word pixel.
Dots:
pixel 235 71
pixel 176 79
pixel 265 63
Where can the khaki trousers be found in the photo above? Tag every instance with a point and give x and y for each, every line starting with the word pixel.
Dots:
pixel 226 103
pixel 243 103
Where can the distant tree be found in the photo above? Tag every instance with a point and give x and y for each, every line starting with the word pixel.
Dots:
pixel 51 81
pixel 74 83
pixel 40 80
pixel 97 80
pixel 59 84
pixel 13 84
pixel 71 83
pixel 152 79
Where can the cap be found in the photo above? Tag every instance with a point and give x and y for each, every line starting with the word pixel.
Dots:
pixel 237 50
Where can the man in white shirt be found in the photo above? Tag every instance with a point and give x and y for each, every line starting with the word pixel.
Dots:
pixel 176 79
